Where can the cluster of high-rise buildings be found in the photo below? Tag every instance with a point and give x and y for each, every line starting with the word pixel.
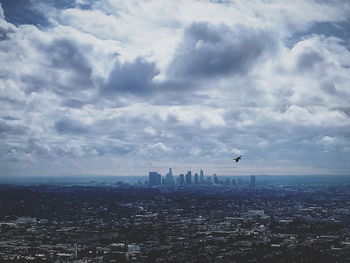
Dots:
pixel 155 179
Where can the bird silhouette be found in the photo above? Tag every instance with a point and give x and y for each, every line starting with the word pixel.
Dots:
pixel 238 158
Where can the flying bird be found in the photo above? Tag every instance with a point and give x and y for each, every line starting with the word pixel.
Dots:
pixel 238 158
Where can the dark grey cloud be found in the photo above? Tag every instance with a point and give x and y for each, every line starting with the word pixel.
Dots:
pixel 135 77
pixel 66 55
pixel 308 60
pixel 73 103
pixel 34 83
pixel 114 148
pixel 65 70
pixel 209 51
pixel 329 87
pixel 70 126
pixel 180 94
pixel 9 118
pixel 346 110
pixel 37 147
pixel 11 129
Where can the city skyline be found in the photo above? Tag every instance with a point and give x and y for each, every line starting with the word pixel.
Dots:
pixel 114 87
pixel 156 179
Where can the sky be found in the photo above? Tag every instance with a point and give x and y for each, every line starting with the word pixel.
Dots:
pixel 113 87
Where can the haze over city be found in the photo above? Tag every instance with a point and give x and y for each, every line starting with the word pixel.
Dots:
pixel 127 87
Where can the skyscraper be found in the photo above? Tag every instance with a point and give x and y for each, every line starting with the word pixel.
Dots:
pixel 154 178
pixel 188 178
pixel 196 178
pixel 252 181
pixel 215 178
pixel 182 179
pixel 169 177
pixel 208 180
pixel 201 177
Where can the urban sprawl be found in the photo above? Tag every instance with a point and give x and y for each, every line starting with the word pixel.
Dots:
pixel 182 219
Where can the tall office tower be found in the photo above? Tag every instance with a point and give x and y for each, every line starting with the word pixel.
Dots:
pixel 169 177
pixel 208 180
pixel 227 181
pixel 252 181
pixel 215 178
pixel 240 182
pixel 188 178
pixel 154 178
pixel 233 182
pixel 201 177
pixel 159 179
pixel 182 179
pixel 196 178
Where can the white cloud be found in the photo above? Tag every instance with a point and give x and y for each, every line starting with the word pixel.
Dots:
pixel 159 147
pixel 149 130
pixel 236 151
pixel 328 139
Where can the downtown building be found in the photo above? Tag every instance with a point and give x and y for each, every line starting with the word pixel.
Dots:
pixel 154 179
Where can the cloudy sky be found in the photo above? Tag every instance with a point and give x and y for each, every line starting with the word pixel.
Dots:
pixel 113 87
